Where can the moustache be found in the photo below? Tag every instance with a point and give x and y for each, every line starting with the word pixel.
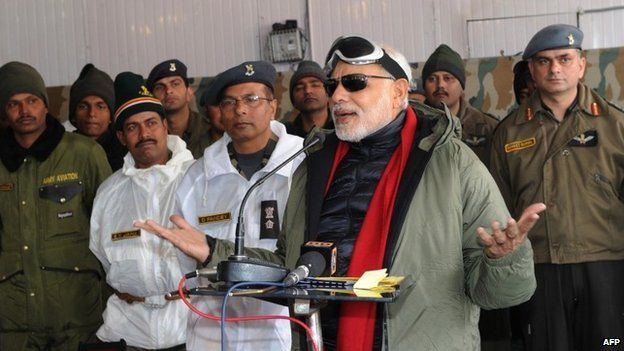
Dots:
pixel 145 141
pixel 440 91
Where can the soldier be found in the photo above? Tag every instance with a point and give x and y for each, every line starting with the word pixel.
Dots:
pixel 91 100
pixel 212 112
pixel 308 95
pixel 169 83
pixel 50 283
pixel 523 83
pixel 142 312
pixel 563 146
pixel 210 194
pixel 444 80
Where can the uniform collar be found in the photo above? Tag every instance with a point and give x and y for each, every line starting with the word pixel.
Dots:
pixel 12 153
pixel 586 100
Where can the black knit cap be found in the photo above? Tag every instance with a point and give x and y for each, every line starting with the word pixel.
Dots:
pixel 247 72
pixel 306 69
pixel 132 97
pixel 91 81
pixel 16 78
pixel 169 68
pixel 445 59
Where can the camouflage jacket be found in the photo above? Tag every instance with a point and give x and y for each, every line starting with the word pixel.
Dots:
pixel 575 167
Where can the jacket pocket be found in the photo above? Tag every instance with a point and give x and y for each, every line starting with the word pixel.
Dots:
pixel 10 265
pixel 62 204
pixel 73 286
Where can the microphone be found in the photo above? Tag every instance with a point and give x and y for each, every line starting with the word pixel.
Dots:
pixel 240 268
pixel 328 250
pixel 309 264
pixel 210 273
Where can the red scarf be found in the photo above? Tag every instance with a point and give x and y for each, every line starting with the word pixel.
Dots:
pixel 356 325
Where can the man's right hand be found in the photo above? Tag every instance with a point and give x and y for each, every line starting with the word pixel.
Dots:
pixel 185 237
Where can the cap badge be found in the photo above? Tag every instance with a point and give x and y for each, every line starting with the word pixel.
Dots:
pixel 570 39
pixel 172 67
pixel 144 91
pixel 250 70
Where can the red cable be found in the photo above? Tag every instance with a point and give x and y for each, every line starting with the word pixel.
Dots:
pixel 242 319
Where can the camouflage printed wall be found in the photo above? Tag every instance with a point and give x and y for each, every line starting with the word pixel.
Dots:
pixel 488 83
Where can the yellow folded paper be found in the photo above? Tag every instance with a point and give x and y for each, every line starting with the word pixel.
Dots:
pixel 370 279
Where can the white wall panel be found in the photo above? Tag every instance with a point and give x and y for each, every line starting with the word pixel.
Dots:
pixel 508 25
pixel 59 36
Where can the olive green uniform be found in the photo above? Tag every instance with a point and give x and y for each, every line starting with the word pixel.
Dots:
pixel 477 130
pixel 575 167
pixel 50 283
pixel 197 134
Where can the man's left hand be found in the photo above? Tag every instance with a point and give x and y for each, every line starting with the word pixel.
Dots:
pixel 501 243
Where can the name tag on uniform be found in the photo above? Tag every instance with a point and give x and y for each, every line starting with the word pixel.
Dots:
pixel 519 145
pixel 6 187
pixel 589 138
pixel 126 235
pixel 66 214
pixel 215 217
pixel 269 220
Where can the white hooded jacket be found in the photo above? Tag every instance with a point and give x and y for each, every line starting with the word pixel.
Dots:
pixel 209 199
pixel 137 262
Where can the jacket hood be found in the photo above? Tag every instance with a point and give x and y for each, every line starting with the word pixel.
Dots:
pixel 181 158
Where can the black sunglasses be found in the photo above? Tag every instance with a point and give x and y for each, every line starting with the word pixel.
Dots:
pixel 351 82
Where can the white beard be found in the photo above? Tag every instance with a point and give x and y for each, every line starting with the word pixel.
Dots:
pixel 364 123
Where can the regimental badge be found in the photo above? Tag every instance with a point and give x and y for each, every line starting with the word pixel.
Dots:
pixel 250 70
pixel 529 114
pixel 589 138
pixel 476 140
pixel 269 220
pixel 595 109
pixel 519 145
pixel 126 235
pixel 214 217
pixel 144 91
pixel 172 67
pixel 7 187
pixel 570 39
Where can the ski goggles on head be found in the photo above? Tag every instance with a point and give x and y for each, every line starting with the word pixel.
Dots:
pixel 357 50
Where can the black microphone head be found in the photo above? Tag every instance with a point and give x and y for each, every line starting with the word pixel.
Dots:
pixel 314 261
pixel 318 138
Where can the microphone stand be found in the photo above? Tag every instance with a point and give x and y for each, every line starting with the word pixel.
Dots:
pixel 240 268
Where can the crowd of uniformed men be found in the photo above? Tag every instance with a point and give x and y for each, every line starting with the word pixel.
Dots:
pixel 90 252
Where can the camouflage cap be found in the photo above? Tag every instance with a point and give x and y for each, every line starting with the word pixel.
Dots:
pixel 556 36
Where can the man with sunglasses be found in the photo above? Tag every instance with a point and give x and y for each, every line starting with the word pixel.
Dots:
pixel 395 188
pixel 444 80
pixel 564 146
pixel 210 194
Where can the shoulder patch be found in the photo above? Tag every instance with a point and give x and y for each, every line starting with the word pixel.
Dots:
pixel 519 145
